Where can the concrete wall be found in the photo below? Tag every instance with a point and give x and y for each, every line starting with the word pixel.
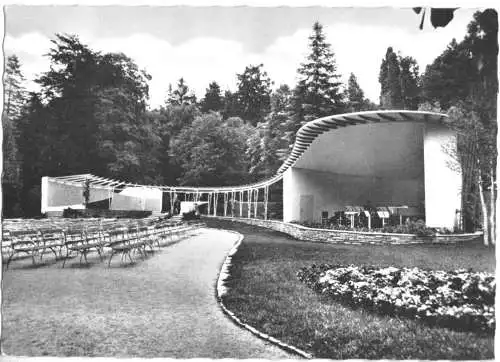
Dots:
pixel 331 192
pixel 378 149
pixel 138 198
pixel 443 179
pixel 57 196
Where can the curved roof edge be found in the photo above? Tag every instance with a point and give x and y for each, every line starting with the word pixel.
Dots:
pixel 309 131
pixel 304 138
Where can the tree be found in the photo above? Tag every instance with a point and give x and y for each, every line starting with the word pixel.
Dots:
pixel 231 106
pixel 318 92
pixel 263 152
pixel 355 95
pixel 410 79
pixel 181 95
pixel 482 42
pixel 126 142
pixel 88 115
pixel 213 100
pixel 37 149
pixel 68 89
pixel 14 102
pixel 447 79
pixel 279 126
pixel 391 94
pixel 178 117
pixel 253 94
pixel 211 151
pixel 14 89
pixel 467 75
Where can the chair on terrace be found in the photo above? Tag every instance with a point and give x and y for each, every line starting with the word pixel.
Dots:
pixel 28 241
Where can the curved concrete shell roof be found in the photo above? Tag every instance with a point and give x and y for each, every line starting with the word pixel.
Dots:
pixel 306 135
pixel 311 130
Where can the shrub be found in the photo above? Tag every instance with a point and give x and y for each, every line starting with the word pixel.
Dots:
pixel 460 299
pixel 410 227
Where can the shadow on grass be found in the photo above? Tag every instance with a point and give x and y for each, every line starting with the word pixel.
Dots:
pixel 123 265
pixel 82 265
pixel 25 265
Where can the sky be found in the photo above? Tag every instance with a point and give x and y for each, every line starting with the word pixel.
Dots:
pixel 205 44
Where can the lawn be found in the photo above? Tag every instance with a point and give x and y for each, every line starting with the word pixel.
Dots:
pixel 265 292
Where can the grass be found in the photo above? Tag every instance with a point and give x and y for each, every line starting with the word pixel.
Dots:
pixel 265 292
pixel 85 310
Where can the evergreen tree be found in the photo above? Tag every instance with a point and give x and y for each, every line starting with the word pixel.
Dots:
pixel 391 94
pixel 37 147
pixel 14 90
pixel 253 95
pixel 231 107
pixel 213 99
pixel 410 79
pixel 278 123
pixel 14 102
pixel 447 79
pixel 318 92
pixel 181 95
pixel 355 95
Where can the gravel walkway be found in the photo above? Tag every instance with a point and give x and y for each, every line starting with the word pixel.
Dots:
pixel 162 307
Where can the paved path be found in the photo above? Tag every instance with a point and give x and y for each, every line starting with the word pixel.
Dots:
pixel 164 306
pixel 202 329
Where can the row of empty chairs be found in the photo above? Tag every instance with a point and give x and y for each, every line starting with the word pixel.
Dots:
pixel 69 237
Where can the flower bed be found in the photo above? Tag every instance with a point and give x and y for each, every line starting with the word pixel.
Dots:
pixel 410 227
pixel 458 299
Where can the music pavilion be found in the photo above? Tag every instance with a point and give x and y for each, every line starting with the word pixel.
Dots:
pixel 399 161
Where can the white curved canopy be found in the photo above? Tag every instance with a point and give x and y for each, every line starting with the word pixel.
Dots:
pixel 308 133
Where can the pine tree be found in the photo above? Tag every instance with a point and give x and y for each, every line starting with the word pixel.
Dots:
pixel 447 79
pixel 14 91
pixel 409 79
pixel 389 78
pixel 318 91
pixel 181 95
pixel 14 102
pixel 231 107
pixel 355 95
pixel 213 99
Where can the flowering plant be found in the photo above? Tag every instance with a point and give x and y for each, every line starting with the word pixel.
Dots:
pixel 458 299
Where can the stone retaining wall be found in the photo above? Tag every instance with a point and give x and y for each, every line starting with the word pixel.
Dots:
pixel 351 237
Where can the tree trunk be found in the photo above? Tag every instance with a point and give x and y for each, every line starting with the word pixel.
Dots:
pixel 484 209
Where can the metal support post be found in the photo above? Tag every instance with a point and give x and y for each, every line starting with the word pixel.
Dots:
pixel 249 203
pixel 241 204
pixel 266 198
pixel 171 202
pixel 209 196
pixel 232 203
pixel 256 203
